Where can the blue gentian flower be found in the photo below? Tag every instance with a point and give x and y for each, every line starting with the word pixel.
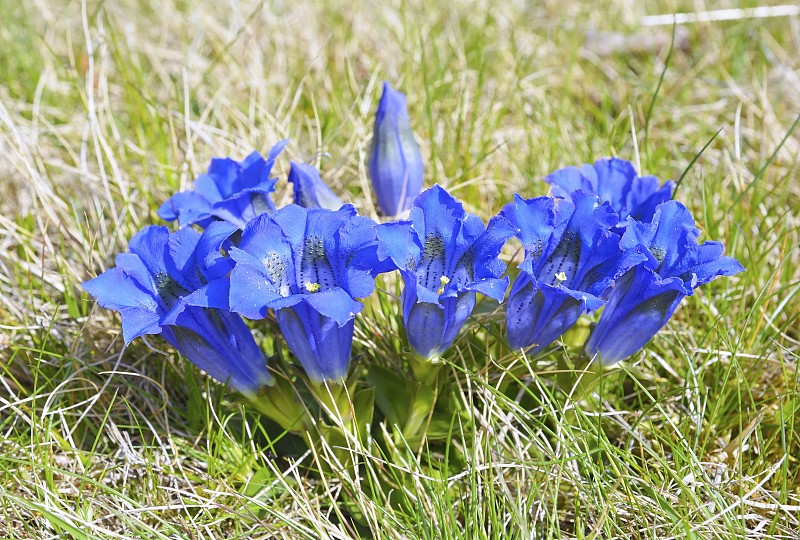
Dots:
pixel 395 162
pixel 643 300
pixel 445 256
pixel 571 258
pixel 160 287
pixel 309 265
pixel 614 181
pixel 309 189
pixel 231 191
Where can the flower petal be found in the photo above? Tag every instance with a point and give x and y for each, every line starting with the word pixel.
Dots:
pixel 212 263
pixel 701 263
pixel 187 207
pixel 150 245
pixel 215 294
pixel 538 313
pixel 309 189
pixel 138 322
pixel 115 289
pixel 320 344
pixel 535 221
pixel 639 306
pixel 399 242
pixel 335 304
pixel 219 343
pixel 276 149
pixel 245 205
pixel 181 262
pixel 264 246
pixel 251 291
pixel 493 288
pixel 671 240
pixel 432 328
pixel 614 181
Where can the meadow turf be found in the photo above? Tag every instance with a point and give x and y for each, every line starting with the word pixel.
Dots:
pixel 107 108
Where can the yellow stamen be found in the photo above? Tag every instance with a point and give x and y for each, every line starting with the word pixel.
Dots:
pixel 312 287
pixel 444 280
pixel 561 277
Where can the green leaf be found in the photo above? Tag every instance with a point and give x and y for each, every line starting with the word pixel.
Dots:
pixel 392 394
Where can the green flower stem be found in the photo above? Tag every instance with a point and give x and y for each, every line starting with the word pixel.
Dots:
pixel 344 421
pixel 580 376
pixel 281 404
pixel 425 370
pixel 419 412
pixel 576 336
pixel 334 399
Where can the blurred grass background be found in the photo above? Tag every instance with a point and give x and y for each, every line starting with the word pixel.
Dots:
pixel 107 108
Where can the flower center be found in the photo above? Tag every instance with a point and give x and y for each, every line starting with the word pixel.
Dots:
pixel 560 268
pixel 315 268
pixel 278 272
pixel 431 265
pixel 169 290
pixel 444 280
pixel 312 287
pixel 659 253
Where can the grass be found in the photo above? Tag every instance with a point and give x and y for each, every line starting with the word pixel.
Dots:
pixel 106 108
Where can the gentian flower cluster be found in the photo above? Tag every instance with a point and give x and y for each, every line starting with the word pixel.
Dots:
pixel 154 287
pixel 606 239
pixel 645 298
pixel 572 258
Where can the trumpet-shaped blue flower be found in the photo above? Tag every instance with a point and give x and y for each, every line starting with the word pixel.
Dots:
pixel 614 181
pixel 309 265
pixel 161 287
pixel 571 258
pixel 310 191
pixel 232 191
pixel 445 256
pixel 644 299
pixel 395 162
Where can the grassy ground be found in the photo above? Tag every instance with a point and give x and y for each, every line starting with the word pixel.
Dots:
pixel 107 108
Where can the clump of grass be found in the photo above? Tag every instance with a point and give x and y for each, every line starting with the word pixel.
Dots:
pixel 107 109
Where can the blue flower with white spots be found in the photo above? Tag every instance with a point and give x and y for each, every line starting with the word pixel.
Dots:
pixel 232 191
pixel 445 256
pixel 309 265
pixel 310 191
pixel 395 163
pixel 571 259
pixel 614 181
pixel 644 299
pixel 166 285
